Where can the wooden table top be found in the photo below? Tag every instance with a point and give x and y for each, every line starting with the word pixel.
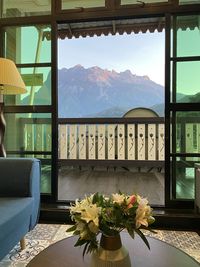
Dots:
pixel 63 254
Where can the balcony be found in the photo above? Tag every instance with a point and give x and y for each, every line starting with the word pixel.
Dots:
pixel 124 153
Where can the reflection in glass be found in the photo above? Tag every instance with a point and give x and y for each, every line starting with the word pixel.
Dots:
pixel 24 8
pixel 38 85
pixel 187 36
pixel 188 2
pixel 187 132
pixel 185 177
pixel 132 2
pixel 27 132
pixel 78 4
pixel 20 49
pixel 187 82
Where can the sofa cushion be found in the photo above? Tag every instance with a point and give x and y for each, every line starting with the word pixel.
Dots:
pixel 14 211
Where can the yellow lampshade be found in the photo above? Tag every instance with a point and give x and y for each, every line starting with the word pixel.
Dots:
pixel 11 82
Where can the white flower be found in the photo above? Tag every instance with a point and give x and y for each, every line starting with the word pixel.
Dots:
pixel 118 198
pixel 143 212
pixel 80 206
pixel 91 213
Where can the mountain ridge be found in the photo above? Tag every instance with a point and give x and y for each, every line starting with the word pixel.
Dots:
pixel 93 90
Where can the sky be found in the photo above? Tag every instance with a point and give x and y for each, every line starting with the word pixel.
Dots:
pixel 142 54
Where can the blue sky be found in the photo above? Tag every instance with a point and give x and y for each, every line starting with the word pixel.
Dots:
pixel 142 54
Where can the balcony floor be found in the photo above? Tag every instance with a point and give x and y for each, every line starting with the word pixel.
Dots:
pixel 75 183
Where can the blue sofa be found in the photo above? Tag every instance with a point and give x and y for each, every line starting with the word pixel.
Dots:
pixel 19 200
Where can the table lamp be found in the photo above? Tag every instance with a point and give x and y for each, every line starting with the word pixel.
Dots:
pixel 11 83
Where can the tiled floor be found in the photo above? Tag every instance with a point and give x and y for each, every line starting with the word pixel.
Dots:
pixel 45 234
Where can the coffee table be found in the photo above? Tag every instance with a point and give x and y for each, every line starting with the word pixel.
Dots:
pixel 64 254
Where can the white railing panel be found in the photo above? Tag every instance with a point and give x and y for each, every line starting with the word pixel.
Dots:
pixel 92 141
pixel 161 141
pixel 72 141
pixel 63 136
pixel 82 141
pixel 151 142
pixel 141 141
pixel 198 138
pixel 48 137
pixel 101 141
pixel 29 137
pixel 189 137
pixel 111 140
pixel 39 132
pixel 131 141
pixel 121 141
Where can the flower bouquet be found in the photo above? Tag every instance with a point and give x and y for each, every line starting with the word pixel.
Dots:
pixel 109 215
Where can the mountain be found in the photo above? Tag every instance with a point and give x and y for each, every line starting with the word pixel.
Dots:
pixel 98 92
pixel 159 109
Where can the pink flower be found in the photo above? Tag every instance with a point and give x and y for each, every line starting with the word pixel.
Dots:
pixel 131 201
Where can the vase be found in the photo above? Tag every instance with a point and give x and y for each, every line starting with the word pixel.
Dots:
pixel 111 253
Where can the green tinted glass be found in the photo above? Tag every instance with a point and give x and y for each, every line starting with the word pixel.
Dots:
pixel 78 4
pixel 132 2
pixel 38 85
pixel 188 2
pixel 46 163
pixel 187 36
pixel 31 44
pixel 187 132
pixel 22 8
pixel 185 177
pixel 187 82
pixel 28 132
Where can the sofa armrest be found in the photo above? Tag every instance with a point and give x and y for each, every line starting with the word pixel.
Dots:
pixel 20 177
pixel 17 175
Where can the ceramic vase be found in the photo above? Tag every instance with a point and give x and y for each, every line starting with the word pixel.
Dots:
pixel 111 253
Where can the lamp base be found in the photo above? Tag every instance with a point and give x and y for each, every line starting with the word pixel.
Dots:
pixel 2 131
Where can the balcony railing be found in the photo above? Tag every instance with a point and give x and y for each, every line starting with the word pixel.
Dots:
pixel 108 140
pixel 101 140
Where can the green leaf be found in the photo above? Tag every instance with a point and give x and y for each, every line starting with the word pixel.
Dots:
pixel 143 238
pixel 80 242
pixel 95 198
pixel 73 228
pixel 85 248
pixel 131 232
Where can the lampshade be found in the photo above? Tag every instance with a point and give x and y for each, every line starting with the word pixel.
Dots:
pixel 11 82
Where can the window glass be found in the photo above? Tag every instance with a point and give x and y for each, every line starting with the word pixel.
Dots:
pixel 188 132
pixel 38 85
pixel 24 8
pixel 188 2
pixel 185 177
pixel 30 44
pixel 187 35
pixel 78 4
pixel 131 2
pixel 187 82
pixel 28 132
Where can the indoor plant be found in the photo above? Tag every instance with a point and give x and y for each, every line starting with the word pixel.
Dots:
pixel 109 215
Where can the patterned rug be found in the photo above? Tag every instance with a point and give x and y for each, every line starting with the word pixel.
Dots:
pixel 45 234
